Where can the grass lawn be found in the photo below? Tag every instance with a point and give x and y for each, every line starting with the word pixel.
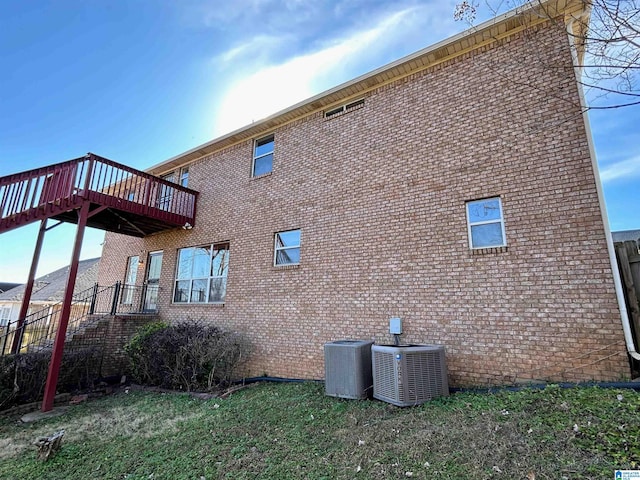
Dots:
pixel 293 431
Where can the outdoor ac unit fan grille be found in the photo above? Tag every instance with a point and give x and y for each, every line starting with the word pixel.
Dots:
pixel 424 377
pixel 386 385
pixel 409 375
pixel 347 365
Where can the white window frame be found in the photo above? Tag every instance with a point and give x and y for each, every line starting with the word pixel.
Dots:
pixel 277 249
pixel 272 139
pixel 471 224
pixel 213 247
pixel 165 192
pixel 184 176
pixel 5 315
pixel 130 278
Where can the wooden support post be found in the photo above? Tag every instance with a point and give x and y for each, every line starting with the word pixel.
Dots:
pixel 58 346
pixel 627 254
pixel 28 289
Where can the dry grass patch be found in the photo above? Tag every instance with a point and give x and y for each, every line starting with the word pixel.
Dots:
pixel 293 431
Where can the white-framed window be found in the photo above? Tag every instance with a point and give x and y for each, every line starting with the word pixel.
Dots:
pixel 5 315
pixel 201 274
pixel 184 176
pixel 485 223
pixel 262 156
pixel 165 195
pixel 287 248
pixel 128 289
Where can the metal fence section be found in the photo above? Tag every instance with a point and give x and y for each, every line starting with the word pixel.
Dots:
pixel 87 308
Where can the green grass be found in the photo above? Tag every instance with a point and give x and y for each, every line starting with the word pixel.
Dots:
pixel 293 431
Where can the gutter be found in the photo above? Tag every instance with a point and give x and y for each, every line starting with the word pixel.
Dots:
pixel 622 305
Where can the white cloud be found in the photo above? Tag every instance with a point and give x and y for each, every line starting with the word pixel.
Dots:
pixel 627 169
pixel 275 87
pixel 252 47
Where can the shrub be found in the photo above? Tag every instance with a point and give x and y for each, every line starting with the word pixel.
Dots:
pixel 136 350
pixel 188 356
pixel 23 376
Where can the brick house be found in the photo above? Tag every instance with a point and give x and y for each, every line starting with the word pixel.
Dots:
pixel 455 188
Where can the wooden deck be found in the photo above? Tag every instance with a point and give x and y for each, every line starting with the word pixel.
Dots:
pixel 123 200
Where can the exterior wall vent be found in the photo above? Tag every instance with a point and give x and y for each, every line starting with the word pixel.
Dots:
pixel 408 375
pixel 344 108
pixel 347 366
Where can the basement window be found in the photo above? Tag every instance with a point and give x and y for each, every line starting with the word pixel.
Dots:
pixel 485 223
pixel 201 274
pixel 344 108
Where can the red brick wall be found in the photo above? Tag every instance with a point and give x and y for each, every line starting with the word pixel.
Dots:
pixel 379 194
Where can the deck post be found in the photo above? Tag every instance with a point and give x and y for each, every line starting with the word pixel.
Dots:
pixel 28 289
pixel 58 346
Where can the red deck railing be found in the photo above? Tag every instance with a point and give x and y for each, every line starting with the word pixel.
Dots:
pixel 44 192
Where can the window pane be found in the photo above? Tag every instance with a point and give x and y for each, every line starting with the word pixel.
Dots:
pixel 262 165
pixel 182 292
pixel 484 210
pixel 132 270
pixel 185 260
pixel 199 291
pixel 489 235
pixel 201 261
pixel 155 266
pixel 264 146
pixel 218 289
pixel 288 239
pixel 184 176
pixel 288 256
pixel 220 262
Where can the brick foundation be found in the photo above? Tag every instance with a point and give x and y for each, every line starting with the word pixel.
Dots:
pixel 110 335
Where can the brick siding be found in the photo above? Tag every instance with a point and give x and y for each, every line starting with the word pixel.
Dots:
pixel 379 194
pixel 109 336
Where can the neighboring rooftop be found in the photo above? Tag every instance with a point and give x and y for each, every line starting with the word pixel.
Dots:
pixel 4 286
pixel 626 235
pixel 50 287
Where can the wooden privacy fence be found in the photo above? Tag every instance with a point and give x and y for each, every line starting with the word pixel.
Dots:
pixel 629 264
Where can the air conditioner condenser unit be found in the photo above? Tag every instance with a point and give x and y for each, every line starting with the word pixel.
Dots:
pixel 347 366
pixel 406 375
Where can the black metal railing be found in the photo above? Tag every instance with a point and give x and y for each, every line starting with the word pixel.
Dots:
pixel 88 307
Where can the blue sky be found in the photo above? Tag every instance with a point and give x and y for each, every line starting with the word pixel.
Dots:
pixel 139 81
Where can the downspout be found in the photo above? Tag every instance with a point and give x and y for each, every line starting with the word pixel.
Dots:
pixel 622 305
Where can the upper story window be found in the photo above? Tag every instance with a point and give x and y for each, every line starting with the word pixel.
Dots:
pixel 201 274
pixel 184 176
pixel 287 248
pixel 165 193
pixel 263 156
pixel 485 223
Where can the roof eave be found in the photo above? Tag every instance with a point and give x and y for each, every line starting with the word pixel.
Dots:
pixel 498 27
